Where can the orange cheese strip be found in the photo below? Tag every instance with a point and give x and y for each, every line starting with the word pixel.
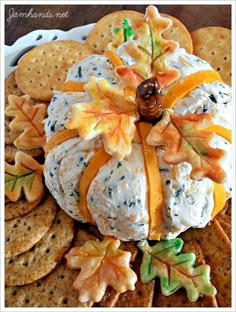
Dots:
pixel 187 84
pixel 220 198
pixel 114 58
pixel 60 137
pixel 73 86
pixel 155 195
pixel 95 163
pixel 221 131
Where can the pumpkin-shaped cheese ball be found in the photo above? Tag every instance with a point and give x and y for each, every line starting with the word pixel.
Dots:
pixel 135 178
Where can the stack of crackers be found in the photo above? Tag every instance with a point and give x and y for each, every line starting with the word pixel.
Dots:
pixel 38 233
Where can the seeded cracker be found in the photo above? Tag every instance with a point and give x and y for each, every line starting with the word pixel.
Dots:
pixel 213 44
pixel 43 69
pixel 20 208
pixel 44 256
pixel 10 152
pixel 24 232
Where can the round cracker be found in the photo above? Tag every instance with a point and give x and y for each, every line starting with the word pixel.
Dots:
pixel 20 207
pixel 10 152
pixel 44 256
pixel 24 232
pixel 101 33
pixel 55 290
pixel 178 32
pixel 43 69
pixel 213 44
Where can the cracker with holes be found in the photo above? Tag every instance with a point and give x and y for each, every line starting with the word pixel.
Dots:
pixel 44 256
pixel 102 30
pixel 20 208
pixel 213 44
pixel 52 291
pixel 24 232
pixel 43 69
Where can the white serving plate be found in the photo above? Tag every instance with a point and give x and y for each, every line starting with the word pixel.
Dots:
pixel 14 52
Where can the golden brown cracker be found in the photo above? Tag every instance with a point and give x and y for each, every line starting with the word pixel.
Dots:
pixel 179 298
pixel 10 152
pixel 178 32
pixel 213 44
pixel 226 227
pixel 216 248
pixel 43 257
pixel 43 69
pixel 24 232
pixel 101 33
pixel 142 296
pixel 20 208
pixel 54 290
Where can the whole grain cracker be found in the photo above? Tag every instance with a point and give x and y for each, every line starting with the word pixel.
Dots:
pixel 142 296
pixel 11 86
pixel 10 152
pixel 101 33
pixel 43 257
pixel 216 248
pixel 20 208
pixel 213 44
pixel 43 69
pixel 24 232
pixel 179 298
pixel 53 290
pixel 226 227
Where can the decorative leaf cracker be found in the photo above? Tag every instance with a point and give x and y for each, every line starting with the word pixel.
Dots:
pixel 175 271
pixel 186 140
pixel 25 175
pixel 150 50
pixel 28 119
pixel 111 114
pixel 102 264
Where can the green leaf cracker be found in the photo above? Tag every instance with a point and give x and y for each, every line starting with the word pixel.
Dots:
pixel 175 270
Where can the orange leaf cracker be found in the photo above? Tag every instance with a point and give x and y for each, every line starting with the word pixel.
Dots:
pixel 25 175
pixel 28 119
pixel 111 114
pixel 102 264
pixel 151 51
pixel 186 140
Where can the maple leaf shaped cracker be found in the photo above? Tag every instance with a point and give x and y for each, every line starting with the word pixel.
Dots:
pixel 28 119
pixel 102 264
pixel 150 51
pixel 25 175
pixel 186 140
pixel 111 114
pixel 175 270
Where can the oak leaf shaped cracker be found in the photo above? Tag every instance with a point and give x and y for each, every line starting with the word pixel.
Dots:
pixel 175 270
pixel 150 51
pixel 26 175
pixel 28 119
pixel 102 264
pixel 186 140
pixel 110 114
